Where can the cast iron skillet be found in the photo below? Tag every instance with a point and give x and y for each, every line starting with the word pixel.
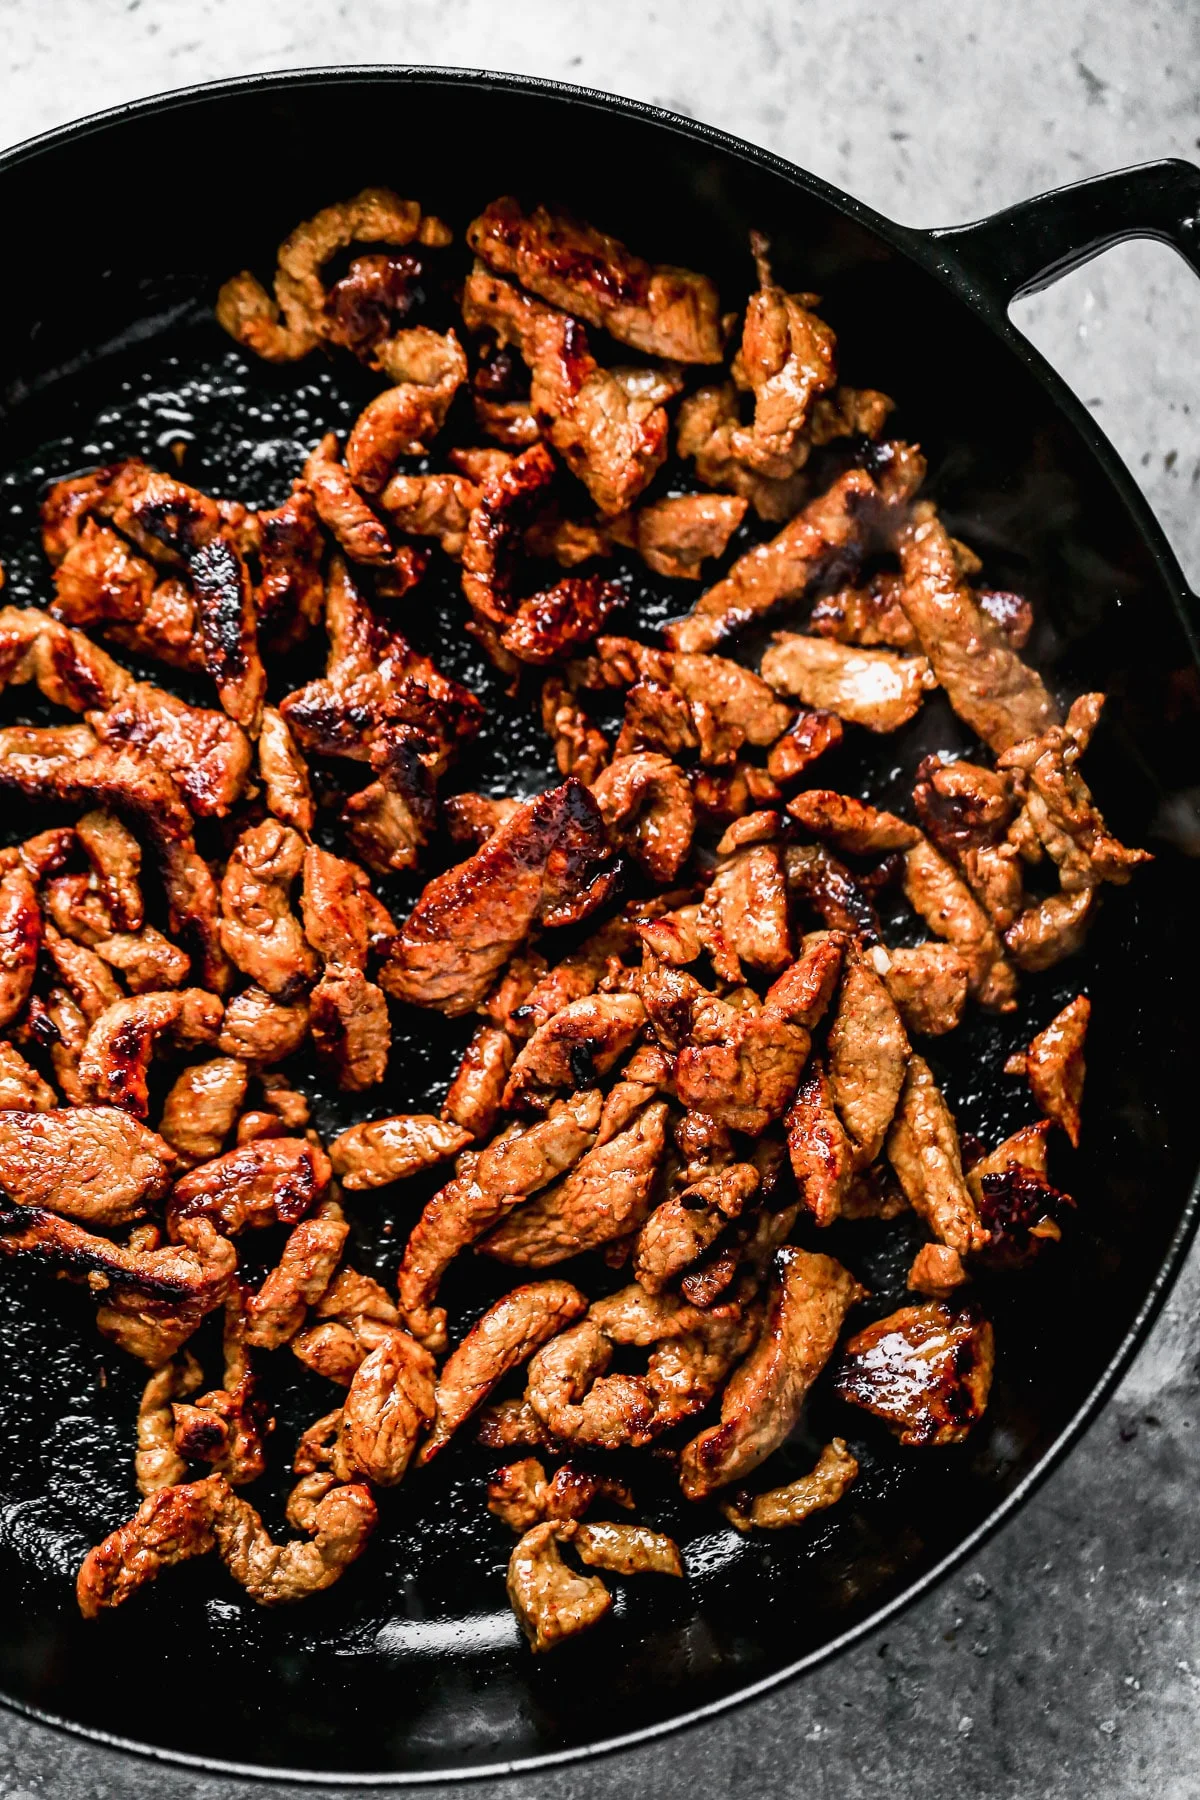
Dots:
pixel 119 230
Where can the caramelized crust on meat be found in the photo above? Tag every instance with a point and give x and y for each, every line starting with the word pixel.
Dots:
pixel 171 1525
pixel 662 311
pixel 1054 1066
pixel 544 863
pixel 924 1370
pixel 269 1181
pixel 609 426
pixel 829 532
pixel 115 1062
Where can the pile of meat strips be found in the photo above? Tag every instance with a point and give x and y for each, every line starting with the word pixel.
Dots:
pixel 691 1037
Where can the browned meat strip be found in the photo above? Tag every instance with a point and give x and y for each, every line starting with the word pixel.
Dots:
pixel 504 1338
pixel 743 917
pixel 662 311
pixel 691 1352
pixel 389 1406
pixel 115 857
pixel 966 811
pixel 427 368
pixel 260 1030
pixel 508 498
pixel 935 890
pixel 226 1427
pixel 114 1067
pixel 874 688
pixel 924 1151
pixel 740 1067
pixel 21 1087
pixel 545 862
pixel 157 1463
pixel 85 974
pixel 712 705
pixel 609 426
pixel 675 536
pixel 287 327
pixel 791 1505
pixel 59 763
pixel 788 358
pixel 206 753
pixel 283 772
pixel 438 506
pixel 683 1227
pixel 851 824
pixel 351 1031
pixel 357 1317
pixel 383 1150
pixel 340 1523
pixel 605 1196
pixel 990 688
pixel 925 1371
pixel 92 1163
pixel 274 1180
pixel 359 531
pixel 582 1042
pixel 1015 1199
pixel 579 973
pixel 1059 804
pixel 1051 930
pixel 259 931
pixel 170 1526
pixel 868 615
pixel 647 804
pixel 627 1549
pixel 580 749
pixel 822 1155
pixel 202 1108
pixel 1054 1066
pixel 304 1270
pixel 474 1097
pixel 520 1495
pixel 809 737
pixel 511 1425
pixel 145 959
pixel 20 941
pixel 550 625
pixel 868 1054
pixel 507 1172
pixel 928 982
pixel 153 1299
pixel 829 533
pixel 550 1600
pixel 809 1298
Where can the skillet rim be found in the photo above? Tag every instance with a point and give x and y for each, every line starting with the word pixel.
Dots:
pixel 928 248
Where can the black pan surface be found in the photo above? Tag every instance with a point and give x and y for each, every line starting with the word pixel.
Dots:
pixel 412 1667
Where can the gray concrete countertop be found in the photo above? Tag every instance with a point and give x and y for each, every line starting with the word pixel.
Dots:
pixel 1064 1661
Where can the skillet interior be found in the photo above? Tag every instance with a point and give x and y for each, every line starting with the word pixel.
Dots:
pixel 411 1665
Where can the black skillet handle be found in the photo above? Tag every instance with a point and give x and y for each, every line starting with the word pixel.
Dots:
pixel 1024 248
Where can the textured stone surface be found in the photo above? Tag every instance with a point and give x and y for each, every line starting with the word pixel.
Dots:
pixel 1065 1660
